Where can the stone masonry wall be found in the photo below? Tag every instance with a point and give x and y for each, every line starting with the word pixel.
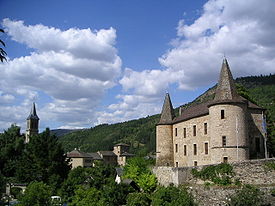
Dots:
pixel 248 172
pixel 252 172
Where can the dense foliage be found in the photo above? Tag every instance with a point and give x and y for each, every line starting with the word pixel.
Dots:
pixel 36 194
pixel 43 160
pixel 172 196
pixel 220 174
pixel 248 195
pixel 137 169
pixel 140 134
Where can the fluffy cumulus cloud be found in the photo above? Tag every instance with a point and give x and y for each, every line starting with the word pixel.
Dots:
pixel 241 30
pixel 72 68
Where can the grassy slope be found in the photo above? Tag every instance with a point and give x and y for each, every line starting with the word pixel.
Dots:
pixel 140 134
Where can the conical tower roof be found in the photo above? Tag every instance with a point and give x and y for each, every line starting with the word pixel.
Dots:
pixel 33 114
pixel 226 89
pixel 167 114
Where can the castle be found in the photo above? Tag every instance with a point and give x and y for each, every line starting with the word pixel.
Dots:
pixel 225 129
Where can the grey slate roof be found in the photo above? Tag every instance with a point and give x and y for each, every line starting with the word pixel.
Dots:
pixel 95 156
pixel 107 153
pixel 226 89
pixel 167 114
pixel 77 154
pixel 33 114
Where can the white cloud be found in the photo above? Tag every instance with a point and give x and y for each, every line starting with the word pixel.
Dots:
pixel 243 31
pixel 73 68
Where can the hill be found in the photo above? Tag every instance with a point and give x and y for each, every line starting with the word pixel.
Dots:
pixel 140 133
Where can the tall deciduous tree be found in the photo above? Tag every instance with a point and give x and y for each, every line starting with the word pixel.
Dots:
pixel 36 194
pixel 12 146
pixel 43 160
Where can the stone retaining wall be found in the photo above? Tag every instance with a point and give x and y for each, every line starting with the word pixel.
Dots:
pixel 248 172
pixel 252 172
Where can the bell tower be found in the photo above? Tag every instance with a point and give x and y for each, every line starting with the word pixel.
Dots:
pixel 32 124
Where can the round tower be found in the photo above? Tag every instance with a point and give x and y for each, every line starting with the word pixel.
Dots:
pixel 228 121
pixel 164 135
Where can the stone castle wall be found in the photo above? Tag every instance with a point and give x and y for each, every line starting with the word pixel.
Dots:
pixel 248 172
pixel 164 144
pixel 233 127
pixel 188 140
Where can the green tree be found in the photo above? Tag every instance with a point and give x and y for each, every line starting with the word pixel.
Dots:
pixel 138 199
pixel 97 177
pixel 172 196
pixel 43 160
pixel 115 194
pixel 86 197
pixel 36 194
pixel 248 195
pixel 12 146
pixel 2 51
pixel 137 169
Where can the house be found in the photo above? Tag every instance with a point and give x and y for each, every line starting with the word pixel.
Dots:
pixel 82 159
pixel 225 129
pixel 118 156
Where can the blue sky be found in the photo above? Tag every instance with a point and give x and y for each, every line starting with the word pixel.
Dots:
pixel 91 62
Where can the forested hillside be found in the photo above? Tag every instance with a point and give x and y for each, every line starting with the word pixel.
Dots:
pixel 140 134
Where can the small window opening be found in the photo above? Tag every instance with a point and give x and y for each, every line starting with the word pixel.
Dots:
pixel 222 114
pixel 206 148
pixel 223 141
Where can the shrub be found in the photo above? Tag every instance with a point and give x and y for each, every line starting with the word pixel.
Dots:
pixel 219 174
pixel 138 199
pixel 172 196
pixel 269 165
pixel 248 195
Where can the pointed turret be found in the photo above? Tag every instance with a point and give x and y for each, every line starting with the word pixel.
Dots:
pixel 226 89
pixel 167 114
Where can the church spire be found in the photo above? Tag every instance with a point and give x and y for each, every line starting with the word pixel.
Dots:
pixel 167 114
pixel 32 124
pixel 226 89
pixel 33 114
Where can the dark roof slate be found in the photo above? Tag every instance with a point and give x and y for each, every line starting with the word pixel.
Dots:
pixel 33 114
pixel 167 113
pixel 78 154
pixel 107 153
pixel 226 88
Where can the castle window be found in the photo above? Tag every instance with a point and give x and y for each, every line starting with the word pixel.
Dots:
pixel 223 141
pixel 184 150
pixel 205 128
pixel 195 149
pixel 195 163
pixel 177 164
pixel 184 132
pixel 225 159
pixel 194 130
pixel 176 131
pixel 206 148
pixel 222 114
pixel 258 144
pixel 176 147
